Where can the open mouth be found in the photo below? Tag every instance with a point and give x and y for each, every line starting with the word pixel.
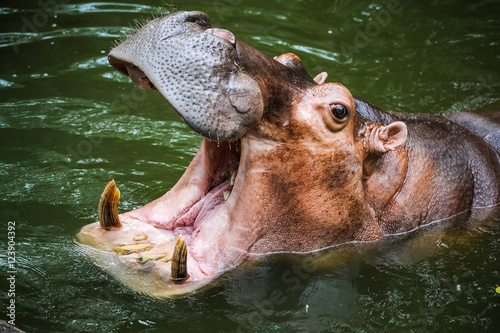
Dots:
pixel 190 234
pixel 215 173
pixel 189 208
pixel 190 211
pixel 214 169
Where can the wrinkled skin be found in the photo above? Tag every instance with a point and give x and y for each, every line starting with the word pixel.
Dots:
pixel 315 166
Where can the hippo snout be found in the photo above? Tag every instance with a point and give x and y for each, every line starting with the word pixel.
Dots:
pixel 196 68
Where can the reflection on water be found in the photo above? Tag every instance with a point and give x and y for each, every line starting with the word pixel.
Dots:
pixel 407 282
pixel 69 123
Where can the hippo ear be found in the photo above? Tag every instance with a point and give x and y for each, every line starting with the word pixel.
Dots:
pixel 389 137
pixel 321 78
pixel 289 60
pixel 293 62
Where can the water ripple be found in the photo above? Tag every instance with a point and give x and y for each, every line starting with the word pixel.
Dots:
pixel 9 84
pixel 17 38
pixel 90 118
pixel 316 52
pixel 7 10
pixel 109 7
pixel 90 63
pixel 86 8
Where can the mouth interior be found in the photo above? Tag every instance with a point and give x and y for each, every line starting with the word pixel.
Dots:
pixel 218 179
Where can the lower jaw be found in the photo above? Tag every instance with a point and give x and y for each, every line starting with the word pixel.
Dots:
pixel 152 277
pixel 137 248
pixel 134 226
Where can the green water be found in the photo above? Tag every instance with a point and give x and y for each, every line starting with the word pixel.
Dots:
pixel 69 123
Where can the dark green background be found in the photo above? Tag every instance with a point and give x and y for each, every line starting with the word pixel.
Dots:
pixel 69 123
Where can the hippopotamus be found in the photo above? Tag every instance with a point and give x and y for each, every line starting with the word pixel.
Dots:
pixel 288 162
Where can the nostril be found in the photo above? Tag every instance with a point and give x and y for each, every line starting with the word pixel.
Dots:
pixel 199 18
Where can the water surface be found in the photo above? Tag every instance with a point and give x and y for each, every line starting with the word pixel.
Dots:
pixel 69 123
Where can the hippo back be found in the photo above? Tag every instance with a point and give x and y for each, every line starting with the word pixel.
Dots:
pixel 485 125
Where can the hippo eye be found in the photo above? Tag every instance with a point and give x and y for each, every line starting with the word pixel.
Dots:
pixel 339 111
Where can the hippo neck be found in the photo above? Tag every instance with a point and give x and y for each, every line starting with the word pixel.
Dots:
pixel 371 112
pixel 292 188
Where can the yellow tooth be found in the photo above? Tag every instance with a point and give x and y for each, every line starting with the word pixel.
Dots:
pixel 226 195
pixel 233 177
pixel 126 249
pixel 179 261
pixel 147 257
pixel 108 207
pixel 140 238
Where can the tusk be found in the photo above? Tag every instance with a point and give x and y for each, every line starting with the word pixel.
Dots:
pixel 179 261
pixel 108 207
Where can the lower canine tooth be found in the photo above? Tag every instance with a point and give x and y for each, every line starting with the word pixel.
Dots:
pixel 108 207
pixel 179 261
pixel 226 195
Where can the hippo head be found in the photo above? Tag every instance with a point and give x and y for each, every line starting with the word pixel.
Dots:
pixel 283 165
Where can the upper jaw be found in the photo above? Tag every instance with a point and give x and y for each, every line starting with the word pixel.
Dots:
pixel 132 69
pixel 195 67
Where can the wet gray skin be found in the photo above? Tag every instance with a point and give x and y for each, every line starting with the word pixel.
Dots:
pixel 179 51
